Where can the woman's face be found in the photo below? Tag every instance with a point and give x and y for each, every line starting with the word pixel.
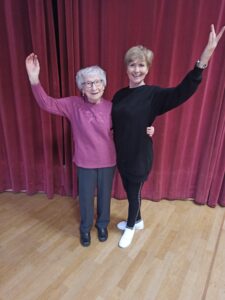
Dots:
pixel 137 70
pixel 93 88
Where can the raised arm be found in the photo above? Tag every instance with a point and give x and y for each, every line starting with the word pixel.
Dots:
pixel 33 68
pixel 169 98
pixel 210 47
pixel 58 106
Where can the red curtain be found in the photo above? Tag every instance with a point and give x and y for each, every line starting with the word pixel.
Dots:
pixel 189 142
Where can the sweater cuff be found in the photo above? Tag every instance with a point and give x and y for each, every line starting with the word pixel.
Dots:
pixel 197 72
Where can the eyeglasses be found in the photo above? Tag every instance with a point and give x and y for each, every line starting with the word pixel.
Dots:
pixel 89 84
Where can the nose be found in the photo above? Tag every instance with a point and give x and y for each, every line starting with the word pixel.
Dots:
pixel 136 69
pixel 93 86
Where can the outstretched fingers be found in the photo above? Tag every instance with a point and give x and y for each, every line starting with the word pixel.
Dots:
pixel 213 37
pixel 219 35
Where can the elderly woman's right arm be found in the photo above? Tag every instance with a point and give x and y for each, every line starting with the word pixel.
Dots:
pixel 58 106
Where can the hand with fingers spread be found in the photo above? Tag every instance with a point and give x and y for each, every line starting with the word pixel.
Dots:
pixel 211 46
pixel 33 68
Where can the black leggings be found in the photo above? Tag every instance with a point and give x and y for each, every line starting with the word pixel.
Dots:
pixel 133 190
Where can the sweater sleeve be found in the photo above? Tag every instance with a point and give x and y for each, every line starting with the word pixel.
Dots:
pixel 169 98
pixel 57 106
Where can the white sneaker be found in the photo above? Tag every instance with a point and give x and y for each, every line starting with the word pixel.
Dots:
pixel 126 238
pixel 138 225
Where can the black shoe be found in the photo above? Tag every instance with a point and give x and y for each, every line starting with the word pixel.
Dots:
pixel 85 239
pixel 102 234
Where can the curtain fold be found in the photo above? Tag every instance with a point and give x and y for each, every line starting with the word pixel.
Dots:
pixel 189 142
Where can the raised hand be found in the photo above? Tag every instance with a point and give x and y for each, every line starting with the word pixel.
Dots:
pixel 33 68
pixel 211 45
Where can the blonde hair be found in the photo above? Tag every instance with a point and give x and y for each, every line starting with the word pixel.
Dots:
pixel 139 52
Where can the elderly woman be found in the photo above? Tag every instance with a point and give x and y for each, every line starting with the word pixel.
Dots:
pixel 136 107
pixel 94 155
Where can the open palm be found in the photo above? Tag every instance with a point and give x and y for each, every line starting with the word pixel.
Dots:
pixel 33 67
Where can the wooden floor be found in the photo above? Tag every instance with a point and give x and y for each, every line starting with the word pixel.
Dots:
pixel 179 255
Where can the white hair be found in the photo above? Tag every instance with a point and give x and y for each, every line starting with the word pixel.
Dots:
pixel 93 70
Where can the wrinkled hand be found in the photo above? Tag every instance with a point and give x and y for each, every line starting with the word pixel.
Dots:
pixel 33 68
pixel 150 131
pixel 212 44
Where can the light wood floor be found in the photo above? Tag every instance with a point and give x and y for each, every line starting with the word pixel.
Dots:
pixel 179 255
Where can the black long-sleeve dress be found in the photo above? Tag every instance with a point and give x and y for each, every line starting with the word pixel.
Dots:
pixel 133 110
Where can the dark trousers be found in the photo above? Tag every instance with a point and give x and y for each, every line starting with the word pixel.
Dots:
pixel 90 180
pixel 133 191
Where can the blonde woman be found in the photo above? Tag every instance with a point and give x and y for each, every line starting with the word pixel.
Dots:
pixel 136 107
